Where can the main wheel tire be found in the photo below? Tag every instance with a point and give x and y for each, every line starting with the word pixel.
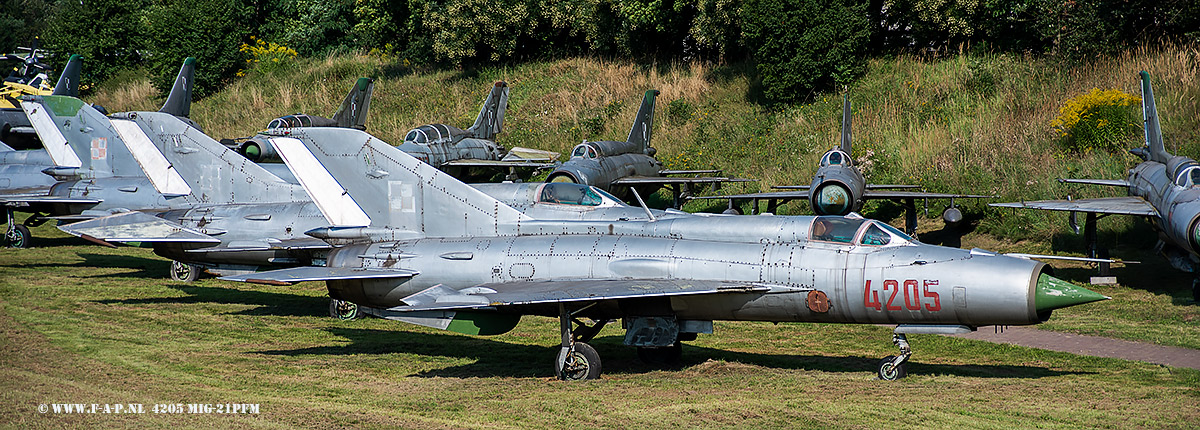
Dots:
pixel 343 310
pixel 660 357
pixel 19 237
pixel 1196 290
pixel 891 372
pixel 184 272
pixel 581 365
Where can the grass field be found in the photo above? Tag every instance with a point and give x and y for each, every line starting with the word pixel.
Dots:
pixel 85 324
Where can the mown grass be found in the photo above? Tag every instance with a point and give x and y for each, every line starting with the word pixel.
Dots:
pixel 84 324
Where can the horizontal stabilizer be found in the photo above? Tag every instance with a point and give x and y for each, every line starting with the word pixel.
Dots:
pixel 529 154
pixel 664 180
pixel 1105 182
pixel 471 162
pixel 776 195
pixel 541 292
pixel 136 227
pixel 318 273
pixel 1107 205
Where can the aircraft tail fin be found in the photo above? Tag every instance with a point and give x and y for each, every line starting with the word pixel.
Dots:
pixel 353 111
pixel 490 121
pixel 358 180
pixel 846 141
pixel 179 102
pixel 643 124
pixel 1154 140
pixel 68 81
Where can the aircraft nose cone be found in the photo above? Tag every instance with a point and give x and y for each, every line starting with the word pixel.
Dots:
pixel 1053 293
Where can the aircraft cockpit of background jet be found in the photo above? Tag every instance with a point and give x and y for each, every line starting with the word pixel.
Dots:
pixel 566 193
pixel 427 134
pixel 584 150
pixel 290 121
pixel 1189 177
pixel 839 229
pixel 834 157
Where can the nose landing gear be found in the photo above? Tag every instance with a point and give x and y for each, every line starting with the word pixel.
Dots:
pixel 893 367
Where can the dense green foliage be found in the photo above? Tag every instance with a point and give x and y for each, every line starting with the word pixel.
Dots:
pixel 210 30
pixel 798 45
pixel 804 45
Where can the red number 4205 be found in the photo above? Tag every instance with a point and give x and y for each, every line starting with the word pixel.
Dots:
pixel 914 296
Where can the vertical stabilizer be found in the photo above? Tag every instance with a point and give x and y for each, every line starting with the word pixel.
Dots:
pixel 68 81
pixel 392 188
pixel 1154 140
pixel 179 102
pixel 846 124
pixel 490 121
pixel 643 124
pixel 353 111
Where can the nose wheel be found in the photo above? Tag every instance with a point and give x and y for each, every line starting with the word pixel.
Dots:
pixel 893 367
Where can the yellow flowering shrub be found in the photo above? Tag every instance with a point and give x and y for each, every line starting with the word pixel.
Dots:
pixel 266 57
pixel 1100 119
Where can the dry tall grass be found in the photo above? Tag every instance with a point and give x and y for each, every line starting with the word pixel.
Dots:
pixel 964 123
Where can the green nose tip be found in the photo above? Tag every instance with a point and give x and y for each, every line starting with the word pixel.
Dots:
pixel 1053 293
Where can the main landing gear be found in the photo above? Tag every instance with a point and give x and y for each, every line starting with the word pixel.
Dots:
pixel 577 361
pixel 17 235
pixel 185 272
pixel 345 311
pixel 893 367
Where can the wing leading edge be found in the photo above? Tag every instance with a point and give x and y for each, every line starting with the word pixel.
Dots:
pixel 1128 205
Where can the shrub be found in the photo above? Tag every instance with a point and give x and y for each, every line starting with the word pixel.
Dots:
pixel 805 45
pixel 1100 119
pixel 266 57
pixel 108 33
pixel 210 30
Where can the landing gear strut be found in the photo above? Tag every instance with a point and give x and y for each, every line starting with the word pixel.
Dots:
pixel 1196 290
pixel 892 367
pixel 577 361
pixel 17 236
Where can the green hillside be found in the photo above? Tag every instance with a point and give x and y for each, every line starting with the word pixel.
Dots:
pixel 977 123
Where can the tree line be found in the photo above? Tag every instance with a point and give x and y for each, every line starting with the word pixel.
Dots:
pixel 796 46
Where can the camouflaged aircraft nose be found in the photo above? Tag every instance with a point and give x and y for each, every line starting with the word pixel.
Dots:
pixel 1053 293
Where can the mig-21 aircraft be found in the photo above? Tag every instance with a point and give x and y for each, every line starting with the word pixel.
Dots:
pixel 617 167
pixel 94 173
pixel 1165 189
pixel 416 245
pixel 352 113
pixel 838 188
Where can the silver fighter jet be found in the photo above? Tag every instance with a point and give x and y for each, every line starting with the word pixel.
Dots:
pixel 352 113
pixel 838 188
pixel 95 173
pixel 416 245
pixel 617 167
pixel 1164 189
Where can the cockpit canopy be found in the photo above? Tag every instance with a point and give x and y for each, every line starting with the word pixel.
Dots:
pixel 566 193
pixel 835 157
pixel 584 150
pixel 1188 177
pixel 430 133
pixel 856 230
pixel 290 121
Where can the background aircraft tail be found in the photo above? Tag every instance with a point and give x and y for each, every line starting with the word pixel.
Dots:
pixel 490 121
pixel 358 180
pixel 643 124
pixel 179 102
pixel 68 81
pixel 846 141
pixel 353 111
pixel 1154 140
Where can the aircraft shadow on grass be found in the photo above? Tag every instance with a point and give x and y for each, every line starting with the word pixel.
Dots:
pixel 152 267
pixel 497 358
pixel 268 304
